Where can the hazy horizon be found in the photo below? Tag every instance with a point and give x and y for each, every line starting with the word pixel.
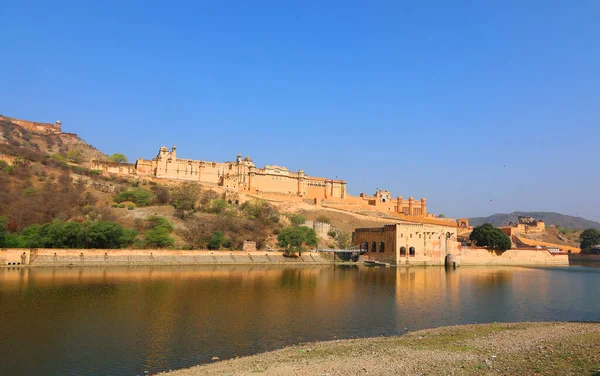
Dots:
pixel 480 108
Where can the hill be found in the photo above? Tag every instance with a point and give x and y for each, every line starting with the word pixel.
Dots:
pixel 19 141
pixel 551 218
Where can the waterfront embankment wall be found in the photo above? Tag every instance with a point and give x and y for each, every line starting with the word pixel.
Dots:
pixel 581 258
pixel 474 256
pixel 107 257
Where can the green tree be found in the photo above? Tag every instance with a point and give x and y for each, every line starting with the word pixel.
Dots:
pixel 2 232
pixel 293 239
pixel 118 158
pixel 107 235
pixel 589 238
pixel 343 239
pixel 218 240
pixel 489 236
pixel 159 232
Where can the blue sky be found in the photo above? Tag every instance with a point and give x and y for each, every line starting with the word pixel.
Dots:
pixel 480 106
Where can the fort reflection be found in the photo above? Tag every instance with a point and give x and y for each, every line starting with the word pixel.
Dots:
pixel 169 317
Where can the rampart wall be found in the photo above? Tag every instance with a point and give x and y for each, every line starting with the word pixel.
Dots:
pixel 35 126
pixel 107 257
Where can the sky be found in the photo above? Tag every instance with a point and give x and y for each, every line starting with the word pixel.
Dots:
pixel 479 106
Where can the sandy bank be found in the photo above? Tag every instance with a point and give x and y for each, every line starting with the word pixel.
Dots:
pixel 486 349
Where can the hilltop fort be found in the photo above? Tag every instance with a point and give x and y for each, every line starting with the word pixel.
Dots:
pixel 242 175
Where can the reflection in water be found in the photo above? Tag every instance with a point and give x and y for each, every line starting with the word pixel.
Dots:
pixel 123 320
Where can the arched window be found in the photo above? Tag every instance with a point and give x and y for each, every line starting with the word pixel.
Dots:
pixel 381 247
pixel 411 251
pixel 365 246
pixel 448 235
pixel 402 251
pixel 373 247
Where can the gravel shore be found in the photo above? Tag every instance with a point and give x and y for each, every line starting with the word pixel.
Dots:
pixel 483 349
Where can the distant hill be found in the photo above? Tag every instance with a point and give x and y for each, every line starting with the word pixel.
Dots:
pixel 562 220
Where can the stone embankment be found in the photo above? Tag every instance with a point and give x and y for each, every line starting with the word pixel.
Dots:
pixel 486 349
pixel 108 257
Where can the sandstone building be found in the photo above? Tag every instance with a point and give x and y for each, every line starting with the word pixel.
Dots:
pixel 407 243
pixel 240 175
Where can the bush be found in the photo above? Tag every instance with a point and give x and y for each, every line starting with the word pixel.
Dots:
pixel 323 219
pixel 138 196
pixel 130 206
pixel 114 205
pixel 332 234
pixel 297 219
pixel 122 206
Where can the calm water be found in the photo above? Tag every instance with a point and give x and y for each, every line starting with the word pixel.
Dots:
pixel 94 321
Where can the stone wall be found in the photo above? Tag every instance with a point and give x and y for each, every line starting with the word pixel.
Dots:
pixel 578 257
pixel 106 257
pixel 320 228
pixel 33 126
pixel 474 256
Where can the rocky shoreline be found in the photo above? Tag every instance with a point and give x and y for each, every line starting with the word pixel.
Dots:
pixel 547 348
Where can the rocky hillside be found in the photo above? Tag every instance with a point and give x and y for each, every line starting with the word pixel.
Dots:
pixel 557 219
pixel 18 141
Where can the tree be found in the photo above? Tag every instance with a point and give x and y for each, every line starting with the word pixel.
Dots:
pixel 489 236
pixel 343 239
pixel 107 235
pixel 185 197
pixel 159 233
pixel 2 232
pixel 260 210
pixel 75 155
pixel 589 238
pixel 118 158
pixel 293 239
pixel 218 240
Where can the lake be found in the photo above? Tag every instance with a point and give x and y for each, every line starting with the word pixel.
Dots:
pixel 127 320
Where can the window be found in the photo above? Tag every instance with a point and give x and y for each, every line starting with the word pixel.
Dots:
pixel 411 251
pixel 365 246
pixel 381 247
pixel 402 251
pixel 373 247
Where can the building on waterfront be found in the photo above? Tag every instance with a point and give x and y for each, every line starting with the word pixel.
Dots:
pixel 407 243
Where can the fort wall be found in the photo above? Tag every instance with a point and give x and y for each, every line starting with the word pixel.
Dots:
pixel 33 126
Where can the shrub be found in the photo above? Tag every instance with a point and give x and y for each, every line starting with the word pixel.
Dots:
pixel 323 219
pixel 261 210
pixel 121 206
pixel 139 197
pixel 297 219
pixel 131 206
pixel 114 205
pixel 331 234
